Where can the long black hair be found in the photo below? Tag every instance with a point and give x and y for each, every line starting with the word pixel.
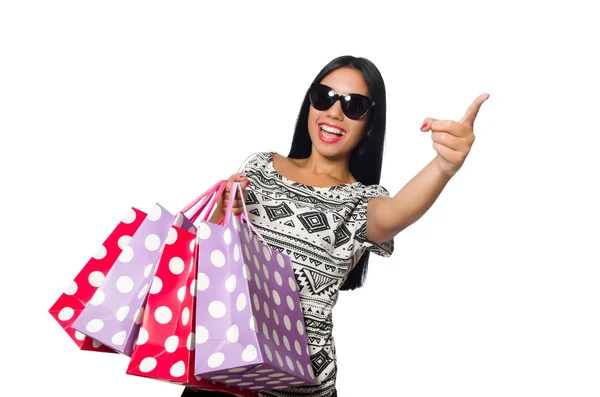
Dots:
pixel 367 157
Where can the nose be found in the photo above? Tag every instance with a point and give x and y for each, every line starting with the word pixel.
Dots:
pixel 335 111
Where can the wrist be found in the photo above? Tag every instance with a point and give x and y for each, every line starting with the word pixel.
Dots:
pixel 441 169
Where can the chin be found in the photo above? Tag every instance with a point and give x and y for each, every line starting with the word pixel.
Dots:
pixel 330 151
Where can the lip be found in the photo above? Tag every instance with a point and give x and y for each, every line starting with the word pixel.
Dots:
pixel 332 126
pixel 328 140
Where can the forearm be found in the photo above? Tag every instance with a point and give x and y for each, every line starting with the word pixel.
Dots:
pixel 415 198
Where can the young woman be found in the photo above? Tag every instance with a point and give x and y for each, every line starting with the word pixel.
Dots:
pixel 323 204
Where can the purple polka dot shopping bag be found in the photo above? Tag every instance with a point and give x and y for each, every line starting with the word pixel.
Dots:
pixel 250 329
pixel 114 313
pixel 164 348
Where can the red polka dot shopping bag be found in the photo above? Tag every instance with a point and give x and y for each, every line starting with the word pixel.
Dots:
pixel 250 330
pixel 73 300
pixel 114 313
pixel 165 343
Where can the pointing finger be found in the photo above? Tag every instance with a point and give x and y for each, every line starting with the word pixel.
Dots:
pixel 473 110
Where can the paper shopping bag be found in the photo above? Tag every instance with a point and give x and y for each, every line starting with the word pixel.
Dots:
pixel 165 343
pixel 115 310
pixel 165 339
pixel 114 313
pixel 74 299
pixel 250 330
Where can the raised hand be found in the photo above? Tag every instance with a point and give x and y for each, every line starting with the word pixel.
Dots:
pixel 237 203
pixel 453 140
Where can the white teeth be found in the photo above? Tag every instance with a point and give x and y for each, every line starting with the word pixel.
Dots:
pixel 332 130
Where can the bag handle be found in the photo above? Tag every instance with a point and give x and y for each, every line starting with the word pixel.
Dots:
pixel 235 188
pixel 202 196
pixel 212 203
pixel 205 200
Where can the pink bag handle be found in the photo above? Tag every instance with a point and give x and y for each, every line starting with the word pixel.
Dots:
pixel 244 216
pixel 212 204
pixel 205 201
pixel 229 209
pixel 202 196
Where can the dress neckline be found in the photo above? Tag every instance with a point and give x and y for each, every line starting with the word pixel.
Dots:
pixel 295 183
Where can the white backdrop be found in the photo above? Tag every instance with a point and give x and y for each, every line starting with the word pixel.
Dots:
pixel 494 292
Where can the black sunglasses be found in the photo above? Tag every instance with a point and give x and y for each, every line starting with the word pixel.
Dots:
pixel 354 106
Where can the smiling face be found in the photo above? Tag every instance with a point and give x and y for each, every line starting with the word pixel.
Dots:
pixel 332 133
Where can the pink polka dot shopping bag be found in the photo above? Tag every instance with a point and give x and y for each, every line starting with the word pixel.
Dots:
pixel 165 342
pixel 84 286
pixel 250 330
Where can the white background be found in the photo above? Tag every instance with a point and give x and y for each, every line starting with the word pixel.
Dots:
pixel 494 292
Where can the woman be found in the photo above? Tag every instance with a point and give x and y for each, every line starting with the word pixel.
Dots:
pixel 323 203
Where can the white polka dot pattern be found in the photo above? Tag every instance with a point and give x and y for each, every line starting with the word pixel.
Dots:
pixel 84 286
pixel 127 284
pixel 165 343
pixel 243 339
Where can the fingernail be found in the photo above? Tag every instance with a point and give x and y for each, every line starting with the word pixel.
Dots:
pixel 424 125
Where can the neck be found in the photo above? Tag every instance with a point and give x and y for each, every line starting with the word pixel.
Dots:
pixel 335 167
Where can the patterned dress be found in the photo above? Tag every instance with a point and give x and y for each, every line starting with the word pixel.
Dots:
pixel 323 230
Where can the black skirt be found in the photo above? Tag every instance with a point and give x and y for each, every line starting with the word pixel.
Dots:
pixel 203 393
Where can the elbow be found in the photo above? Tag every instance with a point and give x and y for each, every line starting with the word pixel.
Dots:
pixel 385 224
pixel 382 229
pixel 379 234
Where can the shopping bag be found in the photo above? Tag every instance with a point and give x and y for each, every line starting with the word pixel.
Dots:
pixel 165 343
pixel 114 313
pixel 74 299
pixel 250 330
pixel 165 338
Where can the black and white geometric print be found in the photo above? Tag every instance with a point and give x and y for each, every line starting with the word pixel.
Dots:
pixel 323 230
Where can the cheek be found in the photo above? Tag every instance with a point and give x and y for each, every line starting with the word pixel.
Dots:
pixel 312 119
pixel 358 130
pixel 312 115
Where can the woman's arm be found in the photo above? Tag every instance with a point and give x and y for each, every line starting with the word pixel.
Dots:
pixel 388 216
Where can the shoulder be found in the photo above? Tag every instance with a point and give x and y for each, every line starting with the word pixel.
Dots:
pixel 372 191
pixel 367 192
pixel 363 195
pixel 256 160
pixel 358 196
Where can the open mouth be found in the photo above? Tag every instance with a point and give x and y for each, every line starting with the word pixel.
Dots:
pixel 329 133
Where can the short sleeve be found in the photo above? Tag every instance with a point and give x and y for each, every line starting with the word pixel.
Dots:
pixel 385 249
pixel 250 163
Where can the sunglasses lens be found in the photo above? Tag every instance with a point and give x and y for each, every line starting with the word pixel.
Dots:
pixel 355 106
pixel 321 97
